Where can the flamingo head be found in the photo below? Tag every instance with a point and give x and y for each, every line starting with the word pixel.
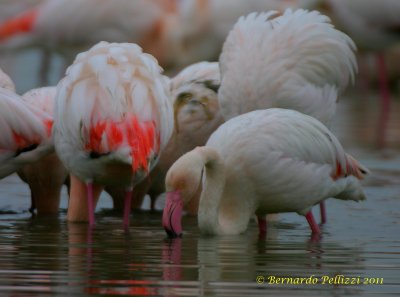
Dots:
pixel 182 183
pixel 172 215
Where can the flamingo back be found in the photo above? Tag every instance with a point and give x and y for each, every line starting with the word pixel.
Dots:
pixel 24 128
pixel 113 100
pixel 287 156
pixel 42 98
pixel 270 60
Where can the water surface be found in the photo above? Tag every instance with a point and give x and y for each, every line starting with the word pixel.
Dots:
pixel 40 256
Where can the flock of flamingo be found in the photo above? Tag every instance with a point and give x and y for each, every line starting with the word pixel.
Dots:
pixel 245 136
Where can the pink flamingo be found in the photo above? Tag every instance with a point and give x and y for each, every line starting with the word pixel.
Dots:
pixel 26 130
pixel 296 60
pixel 265 161
pixel 113 117
pixel 46 176
pixel 196 116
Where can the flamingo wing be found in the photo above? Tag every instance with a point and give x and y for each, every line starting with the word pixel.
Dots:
pixel 297 60
pixel 114 101
pixel 288 157
pixel 26 133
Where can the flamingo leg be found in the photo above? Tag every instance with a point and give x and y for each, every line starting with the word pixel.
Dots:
pixel 311 221
pixel 385 100
pixel 323 212
pixel 33 204
pixel 89 187
pixel 262 225
pixel 127 207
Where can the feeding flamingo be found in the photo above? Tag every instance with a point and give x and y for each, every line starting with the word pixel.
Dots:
pixel 296 60
pixel 46 176
pixel 25 131
pixel 265 161
pixel 113 117
pixel 196 116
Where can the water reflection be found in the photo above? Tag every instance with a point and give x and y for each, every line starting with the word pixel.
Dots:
pixel 48 256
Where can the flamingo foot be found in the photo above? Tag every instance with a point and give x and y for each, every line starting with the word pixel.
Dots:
pixel 89 187
pixel 262 225
pixel 323 212
pixel 311 221
pixel 127 208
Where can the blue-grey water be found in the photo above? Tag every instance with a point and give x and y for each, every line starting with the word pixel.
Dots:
pixel 48 256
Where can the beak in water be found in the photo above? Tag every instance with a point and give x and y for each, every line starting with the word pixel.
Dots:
pixel 172 214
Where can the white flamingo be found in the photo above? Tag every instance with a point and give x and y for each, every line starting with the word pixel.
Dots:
pixel 25 131
pixel 69 27
pixel 297 60
pixel 113 117
pixel 46 176
pixel 265 161
pixel 196 116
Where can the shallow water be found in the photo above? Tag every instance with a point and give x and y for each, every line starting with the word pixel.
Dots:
pixel 40 256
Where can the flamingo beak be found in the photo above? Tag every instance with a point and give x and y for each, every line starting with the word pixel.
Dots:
pixel 172 214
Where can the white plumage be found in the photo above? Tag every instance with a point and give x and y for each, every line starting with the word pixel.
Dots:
pixel 196 116
pixel 297 60
pixel 46 176
pixel 265 161
pixel 113 115
pixel 25 133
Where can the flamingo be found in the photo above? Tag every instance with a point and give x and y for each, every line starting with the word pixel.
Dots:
pixel 67 27
pixel 296 60
pixel 265 161
pixel 25 131
pixel 374 26
pixel 196 116
pixel 113 117
pixel 46 176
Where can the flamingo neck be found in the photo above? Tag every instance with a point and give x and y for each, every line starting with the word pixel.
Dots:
pixel 214 181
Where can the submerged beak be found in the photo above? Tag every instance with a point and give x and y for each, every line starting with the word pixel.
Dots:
pixel 172 214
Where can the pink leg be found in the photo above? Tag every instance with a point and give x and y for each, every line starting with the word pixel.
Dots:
pixel 262 225
pixel 323 212
pixel 89 187
pixel 127 207
pixel 313 225
pixel 385 100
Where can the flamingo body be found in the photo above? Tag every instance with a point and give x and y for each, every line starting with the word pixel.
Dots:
pixel 46 176
pixel 113 115
pixel 297 60
pixel 25 133
pixel 265 161
pixel 196 116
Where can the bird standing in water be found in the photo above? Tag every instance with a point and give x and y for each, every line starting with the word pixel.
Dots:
pixel 25 130
pixel 265 161
pixel 296 60
pixel 113 117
